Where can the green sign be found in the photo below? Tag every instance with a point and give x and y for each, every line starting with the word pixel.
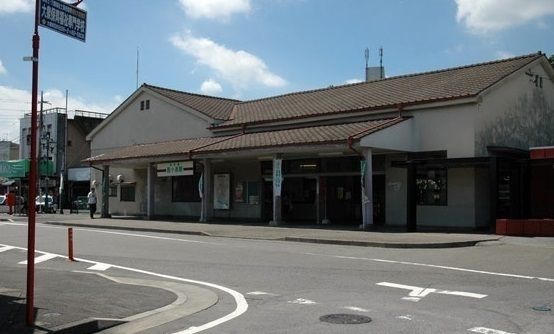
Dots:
pixel 10 169
pixel 14 168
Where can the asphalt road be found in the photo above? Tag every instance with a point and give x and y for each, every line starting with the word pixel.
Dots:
pixel 491 288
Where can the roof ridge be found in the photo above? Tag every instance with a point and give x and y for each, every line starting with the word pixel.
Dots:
pixel 193 94
pixel 534 55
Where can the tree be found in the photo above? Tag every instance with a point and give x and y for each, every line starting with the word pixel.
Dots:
pixel 551 59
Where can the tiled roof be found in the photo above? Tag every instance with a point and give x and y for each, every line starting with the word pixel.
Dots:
pixel 440 85
pixel 214 107
pixel 325 134
pixel 176 147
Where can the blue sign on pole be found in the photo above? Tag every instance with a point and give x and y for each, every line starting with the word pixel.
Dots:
pixel 63 18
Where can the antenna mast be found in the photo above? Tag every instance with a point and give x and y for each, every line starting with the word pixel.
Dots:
pixel 381 62
pixel 366 64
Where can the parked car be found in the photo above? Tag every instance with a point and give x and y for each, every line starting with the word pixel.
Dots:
pixel 40 204
pixel 80 203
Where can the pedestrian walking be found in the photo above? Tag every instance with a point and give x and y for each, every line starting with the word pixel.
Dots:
pixel 10 199
pixel 92 202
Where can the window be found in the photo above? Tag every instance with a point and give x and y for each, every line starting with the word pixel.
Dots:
pixel 185 188
pixel 113 191
pixel 141 105
pixel 128 193
pixel 431 186
pixel 147 105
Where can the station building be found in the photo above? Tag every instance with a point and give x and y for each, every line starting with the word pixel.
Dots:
pixel 446 149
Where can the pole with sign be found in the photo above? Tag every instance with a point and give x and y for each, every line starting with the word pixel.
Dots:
pixel 277 186
pixel 71 21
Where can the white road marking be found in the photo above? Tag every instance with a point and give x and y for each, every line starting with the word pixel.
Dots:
pixel 302 301
pixel 100 267
pixel 355 308
pixel 242 305
pixel 405 317
pixel 546 279
pixel 418 293
pixel 259 293
pixel 484 330
pixel 5 248
pixel 41 258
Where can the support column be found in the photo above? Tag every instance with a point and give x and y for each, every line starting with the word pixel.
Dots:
pixel 206 200
pixel 411 201
pixel 277 185
pixel 367 189
pixel 105 213
pixel 150 191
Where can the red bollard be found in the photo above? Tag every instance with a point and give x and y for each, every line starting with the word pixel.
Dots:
pixel 70 244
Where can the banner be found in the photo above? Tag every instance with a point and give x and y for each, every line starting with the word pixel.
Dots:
pixel 277 176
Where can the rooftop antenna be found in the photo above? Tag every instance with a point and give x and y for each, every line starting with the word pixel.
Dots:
pixel 366 64
pixel 137 66
pixel 381 62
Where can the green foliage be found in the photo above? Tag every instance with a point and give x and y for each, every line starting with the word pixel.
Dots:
pixel 551 59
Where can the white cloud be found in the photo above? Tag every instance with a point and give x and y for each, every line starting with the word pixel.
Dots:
pixel 16 6
pixel 15 103
pixel 211 87
pixel 353 81
pixel 504 55
pixel 2 68
pixel 214 9
pixel 483 16
pixel 240 68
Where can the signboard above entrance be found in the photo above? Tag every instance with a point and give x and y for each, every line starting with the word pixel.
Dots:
pixel 14 168
pixel 63 18
pixel 176 168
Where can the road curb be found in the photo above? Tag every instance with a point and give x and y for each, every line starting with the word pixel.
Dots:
pixel 452 244
pixel 125 228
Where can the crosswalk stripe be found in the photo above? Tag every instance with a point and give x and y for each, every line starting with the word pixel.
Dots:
pixel 5 248
pixel 41 258
pixel 100 267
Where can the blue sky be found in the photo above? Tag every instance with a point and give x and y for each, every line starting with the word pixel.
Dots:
pixel 247 49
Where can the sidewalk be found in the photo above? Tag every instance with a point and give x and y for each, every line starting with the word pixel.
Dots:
pixel 314 234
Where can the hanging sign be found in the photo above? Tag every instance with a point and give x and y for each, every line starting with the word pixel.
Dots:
pixel 176 168
pixel 63 18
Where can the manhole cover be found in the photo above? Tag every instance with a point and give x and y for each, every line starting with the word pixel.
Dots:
pixel 542 308
pixel 345 319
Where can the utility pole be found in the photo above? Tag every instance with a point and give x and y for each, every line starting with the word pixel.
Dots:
pixel 30 312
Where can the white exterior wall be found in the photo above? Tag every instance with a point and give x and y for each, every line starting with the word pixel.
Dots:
pixel 162 122
pixel 448 128
pixel 516 113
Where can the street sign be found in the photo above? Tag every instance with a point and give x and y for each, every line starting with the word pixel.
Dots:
pixel 63 18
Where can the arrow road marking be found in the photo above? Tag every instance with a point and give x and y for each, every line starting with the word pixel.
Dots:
pixel 417 293
pixel 302 301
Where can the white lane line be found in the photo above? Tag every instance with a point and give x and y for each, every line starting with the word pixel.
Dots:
pixel 355 309
pixel 242 305
pixel 41 258
pixel 302 301
pixel 5 248
pixel 546 279
pixel 405 317
pixel 485 330
pixel 121 233
pixel 260 293
pixel 100 267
